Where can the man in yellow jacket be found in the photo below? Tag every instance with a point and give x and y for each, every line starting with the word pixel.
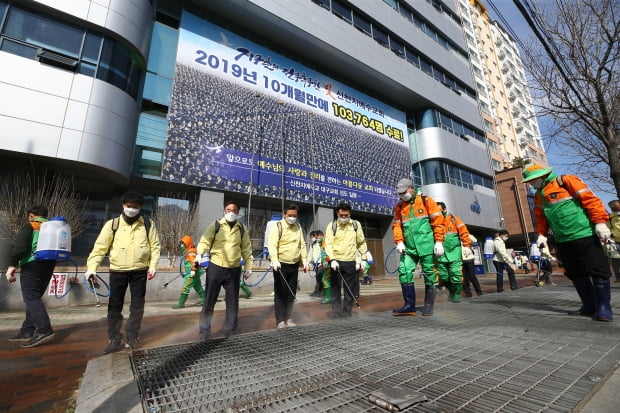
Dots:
pixel 222 246
pixel 133 245
pixel 287 250
pixel 345 245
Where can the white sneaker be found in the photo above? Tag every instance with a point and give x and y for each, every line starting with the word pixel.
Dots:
pixel 290 323
pixel 282 324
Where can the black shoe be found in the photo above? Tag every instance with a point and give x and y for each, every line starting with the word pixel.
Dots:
pixel 39 339
pixel 514 288
pixel 132 343
pixel 21 336
pixel 468 294
pixel 113 346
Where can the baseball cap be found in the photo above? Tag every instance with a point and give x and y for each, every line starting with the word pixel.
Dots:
pixel 403 184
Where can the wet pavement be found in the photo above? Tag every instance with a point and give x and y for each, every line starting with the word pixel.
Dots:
pixel 515 351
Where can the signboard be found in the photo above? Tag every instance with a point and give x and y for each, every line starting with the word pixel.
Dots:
pixel 58 284
pixel 243 118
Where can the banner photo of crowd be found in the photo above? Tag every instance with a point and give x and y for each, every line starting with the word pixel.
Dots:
pixel 243 118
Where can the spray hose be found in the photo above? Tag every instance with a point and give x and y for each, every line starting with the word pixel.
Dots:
pixel 94 291
pixel 69 285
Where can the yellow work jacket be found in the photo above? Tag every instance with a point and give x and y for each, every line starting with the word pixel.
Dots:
pixel 130 247
pixel 286 243
pixel 347 244
pixel 226 247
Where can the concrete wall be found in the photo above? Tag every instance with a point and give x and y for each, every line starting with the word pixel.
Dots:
pixel 79 295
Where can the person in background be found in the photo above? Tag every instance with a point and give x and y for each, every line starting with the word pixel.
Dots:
pixel 450 264
pixel 191 273
pixel 314 260
pixel 35 276
pixel 222 246
pixel 287 250
pixel 577 217
pixel 418 231
pixel 132 243
pixel 502 262
pixel 469 271
pixel 345 245
pixel 613 248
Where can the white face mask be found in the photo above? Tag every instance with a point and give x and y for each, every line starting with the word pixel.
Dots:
pixel 131 212
pixel 231 216
pixel 291 220
pixel 406 197
pixel 313 240
pixel 343 220
pixel 505 238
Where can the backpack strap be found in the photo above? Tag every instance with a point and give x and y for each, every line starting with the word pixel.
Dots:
pixel 217 226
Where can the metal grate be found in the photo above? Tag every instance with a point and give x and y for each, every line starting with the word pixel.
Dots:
pixel 515 352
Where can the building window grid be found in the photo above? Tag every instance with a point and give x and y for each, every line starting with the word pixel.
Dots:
pixel 385 38
pixel 439 171
pixel 123 69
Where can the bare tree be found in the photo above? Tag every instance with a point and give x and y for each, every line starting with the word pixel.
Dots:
pixel 174 218
pixel 27 188
pixel 577 89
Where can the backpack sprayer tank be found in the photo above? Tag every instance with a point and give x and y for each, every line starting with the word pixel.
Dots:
pixel 54 241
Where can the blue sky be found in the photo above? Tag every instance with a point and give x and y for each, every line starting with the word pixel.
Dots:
pixel 513 17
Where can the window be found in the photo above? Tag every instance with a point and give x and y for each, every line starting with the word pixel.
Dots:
pixel 380 36
pixel 41 31
pixel 397 47
pixel 362 24
pixel 341 10
pixel 70 47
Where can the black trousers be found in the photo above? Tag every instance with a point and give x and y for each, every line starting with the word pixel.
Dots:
pixel 499 270
pixel 34 279
pixel 341 307
pixel 216 278
pixel 469 276
pixel 285 290
pixel 584 257
pixel 136 280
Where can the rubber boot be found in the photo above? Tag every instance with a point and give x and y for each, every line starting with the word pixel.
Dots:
pixel 181 302
pixel 585 289
pixel 246 290
pixel 328 296
pixel 429 299
pixel 456 292
pixel 450 289
pixel 602 292
pixel 409 296
pixel 201 302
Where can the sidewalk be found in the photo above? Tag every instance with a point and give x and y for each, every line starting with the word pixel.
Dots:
pixel 47 378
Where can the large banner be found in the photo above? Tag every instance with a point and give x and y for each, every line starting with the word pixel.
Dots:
pixel 243 118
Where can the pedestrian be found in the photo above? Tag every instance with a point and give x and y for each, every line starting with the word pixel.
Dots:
pixel 314 260
pixel 450 264
pixel 566 205
pixel 544 266
pixel 367 280
pixel 345 246
pixel 287 250
pixel 418 231
pixel 224 243
pixel 35 275
pixel 324 269
pixel 469 270
pixel 191 273
pixel 132 243
pixel 503 262
pixel 613 248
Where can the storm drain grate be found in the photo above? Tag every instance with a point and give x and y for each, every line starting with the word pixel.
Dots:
pixel 515 352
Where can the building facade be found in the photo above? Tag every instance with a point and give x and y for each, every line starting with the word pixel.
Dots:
pixel 263 101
